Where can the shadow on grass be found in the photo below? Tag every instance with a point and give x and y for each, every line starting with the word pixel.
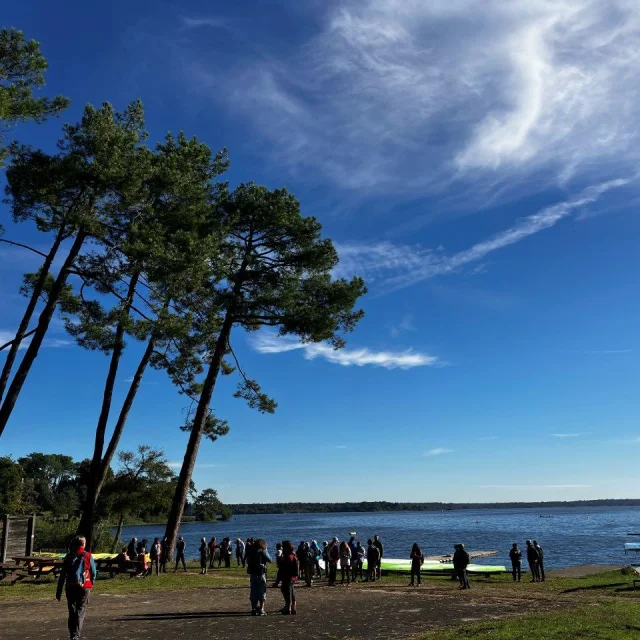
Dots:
pixel 597 587
pixel 184 615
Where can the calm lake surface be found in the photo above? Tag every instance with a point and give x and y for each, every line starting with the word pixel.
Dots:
pixel 570 536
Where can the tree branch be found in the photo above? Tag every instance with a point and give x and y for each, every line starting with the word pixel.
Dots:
pixel 24 246
pixel 26 335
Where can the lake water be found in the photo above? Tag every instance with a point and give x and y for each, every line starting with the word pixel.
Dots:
pixel 570 536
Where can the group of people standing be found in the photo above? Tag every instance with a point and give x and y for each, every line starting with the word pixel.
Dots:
pixel 222 552
pixel 535 559
pixel 348 556
pixel 304 563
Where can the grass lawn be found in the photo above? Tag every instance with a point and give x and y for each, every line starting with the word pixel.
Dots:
pixel 607 620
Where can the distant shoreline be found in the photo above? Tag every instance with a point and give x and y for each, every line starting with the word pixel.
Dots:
pixel 369 507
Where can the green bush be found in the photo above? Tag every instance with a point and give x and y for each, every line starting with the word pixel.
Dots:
pixel 56 535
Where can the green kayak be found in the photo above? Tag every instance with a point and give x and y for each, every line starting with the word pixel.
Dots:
pixel 404 566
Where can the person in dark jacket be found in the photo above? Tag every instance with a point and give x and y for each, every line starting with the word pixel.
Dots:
pixel 417 558
pixel 288 568
pixel 378 544
pixel 461 561
pixel 155 553
pixel 333 552
pixel 164 555
pixel 358 561
pixel 213 547
pixel 532 559
pixel 373 556
pixel 325 558
pixel 515 556
pixel 204 552
pixel 77 578
pixel 540 551
pixel 181 549
pixel 132 549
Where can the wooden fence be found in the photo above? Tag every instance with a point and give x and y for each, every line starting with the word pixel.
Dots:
pixel 17 536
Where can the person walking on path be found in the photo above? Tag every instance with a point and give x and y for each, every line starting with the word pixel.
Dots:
pixel 77 578
pixel 288 569
pixel 155 553
pixel 461 561
pixel 257 560
pixel 516 562
pixel 345 562
pixel 181 548
pixel 373 557
pixel 532 559
pixel 417 560
pixel 203 556
pixel 378 543
pixel 240 552
pixel 334 558
pixel 213 545
pixel 540 551
pixel 164 555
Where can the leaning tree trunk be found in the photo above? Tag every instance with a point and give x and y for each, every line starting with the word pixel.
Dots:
pixel 28 312
pixel 43 325
pixel 87 522
pixel 116 539
pixel 199 422
pixel 97 481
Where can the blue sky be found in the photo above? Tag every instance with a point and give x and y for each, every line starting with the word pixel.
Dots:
pixel 478 165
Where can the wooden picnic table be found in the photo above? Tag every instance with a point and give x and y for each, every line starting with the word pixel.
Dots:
pixel 38 566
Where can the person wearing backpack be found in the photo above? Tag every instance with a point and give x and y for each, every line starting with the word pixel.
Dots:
pixel 289 568
pixel 257 560
pixel 461 561
pixel 79 573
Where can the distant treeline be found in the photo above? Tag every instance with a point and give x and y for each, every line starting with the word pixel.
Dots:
pixel 346 507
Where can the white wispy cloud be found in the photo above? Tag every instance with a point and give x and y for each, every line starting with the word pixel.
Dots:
pixel 391 94
pixel 57 343
pixel 7 336
pixel 406 324
pixel 197 23
pixel 266 342
pixel 439 451
pixel 608 351
pixel 51 343
pixel 392 266
pixel 569 435
pixel 178 465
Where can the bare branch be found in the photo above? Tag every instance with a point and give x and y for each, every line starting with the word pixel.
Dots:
pixel 24 246
pixel 26 335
